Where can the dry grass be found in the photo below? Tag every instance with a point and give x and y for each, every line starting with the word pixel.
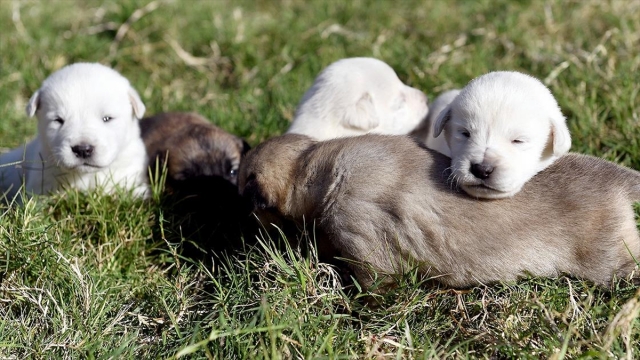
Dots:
pixel 86 276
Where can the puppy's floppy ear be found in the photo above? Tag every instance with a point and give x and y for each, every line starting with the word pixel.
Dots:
pixel 441 121
pixel 136 103
pixel 253 193
pixel 561 135
pixel 245 148
pixel 362 115
pixel 32 105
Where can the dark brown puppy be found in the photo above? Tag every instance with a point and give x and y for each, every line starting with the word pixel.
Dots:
pixel 384 202
pixel 195 147
pixel 202 161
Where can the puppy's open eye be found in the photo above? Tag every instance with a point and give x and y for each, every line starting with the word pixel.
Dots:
pixel 107 118
pixel 59 120
pixel 465 133
pixel 233 172
pixel 517 141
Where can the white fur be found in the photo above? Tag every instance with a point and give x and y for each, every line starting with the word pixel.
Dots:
pixel 439 143
pixel 506 121
pixel 356 96
pixel 99 108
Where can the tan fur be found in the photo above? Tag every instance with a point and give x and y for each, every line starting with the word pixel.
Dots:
pixel 385 201
pixel 196 147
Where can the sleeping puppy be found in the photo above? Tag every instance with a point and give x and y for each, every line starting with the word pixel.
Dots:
pixel 502 129
pixel 424 132
pixel 202 163
pixel 88 136
pixel 384 203
pixel 196 148
pixel 356 96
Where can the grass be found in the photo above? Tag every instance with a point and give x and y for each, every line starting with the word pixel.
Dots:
pixel 93 276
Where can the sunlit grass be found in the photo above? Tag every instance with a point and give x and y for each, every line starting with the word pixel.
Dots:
pixel 88 275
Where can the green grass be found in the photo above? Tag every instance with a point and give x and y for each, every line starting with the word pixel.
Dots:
pixel 91 276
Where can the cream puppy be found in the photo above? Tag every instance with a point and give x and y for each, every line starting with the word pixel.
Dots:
pixel 88 135
pixel 503 128
pixel 383 202
pixel 424 132
pixel 356 96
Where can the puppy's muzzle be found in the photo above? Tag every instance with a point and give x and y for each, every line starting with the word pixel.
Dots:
pixel 481 171
pixel 82 151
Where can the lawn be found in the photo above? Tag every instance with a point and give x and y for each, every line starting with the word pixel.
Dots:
pixel 94 276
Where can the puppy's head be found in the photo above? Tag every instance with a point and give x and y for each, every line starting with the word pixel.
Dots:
pixel 361 95
pixel 503 128
pixel 87 113
pixel 267 172
pixel 198 151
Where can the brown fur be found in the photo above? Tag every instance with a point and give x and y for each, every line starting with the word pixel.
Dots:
pixel 385 202
pixel 202 162
pixel 196 147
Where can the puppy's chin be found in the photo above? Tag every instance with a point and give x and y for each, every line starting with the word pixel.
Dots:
pixel 79 166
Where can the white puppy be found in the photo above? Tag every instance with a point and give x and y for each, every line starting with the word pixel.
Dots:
pixel 502 129
pixel 88 135
pixel 356 96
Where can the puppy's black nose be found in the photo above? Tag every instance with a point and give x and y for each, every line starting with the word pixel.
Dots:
pixel 82 151
pixel 481 171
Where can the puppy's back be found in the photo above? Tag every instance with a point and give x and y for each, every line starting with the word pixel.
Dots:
pixel 387 201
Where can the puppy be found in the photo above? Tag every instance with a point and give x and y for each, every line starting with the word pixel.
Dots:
pixel 88 135
pixel 384 203
pixel 193 148
pixel 356 96
pixel 424 132
pixel 202 163
pixel 503 128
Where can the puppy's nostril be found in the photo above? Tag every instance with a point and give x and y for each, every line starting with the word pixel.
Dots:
pixel 82 151
pixel 481 171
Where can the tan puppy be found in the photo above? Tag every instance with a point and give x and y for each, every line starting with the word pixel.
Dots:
pixel 196 147
pixel 384 201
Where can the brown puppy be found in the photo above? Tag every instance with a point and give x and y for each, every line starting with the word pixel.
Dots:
pixel 202 161
pixel 385 202
pixel 196 147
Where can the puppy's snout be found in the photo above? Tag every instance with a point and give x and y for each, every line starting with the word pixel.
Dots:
pixel 82 151
pixel 481 171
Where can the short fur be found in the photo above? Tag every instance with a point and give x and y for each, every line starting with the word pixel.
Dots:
pixel 88 135
pixel 196 148
pixel 502 129
pixel 202 161
pixel 424 132
pixel 384 201
pixel 356 96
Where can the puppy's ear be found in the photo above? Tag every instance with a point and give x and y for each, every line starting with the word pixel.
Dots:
pixel 362 115
pixel 441 121
pixel 136 103
pixel 561 136
pixel 33 104
pixel 253 193
pixel 245 148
